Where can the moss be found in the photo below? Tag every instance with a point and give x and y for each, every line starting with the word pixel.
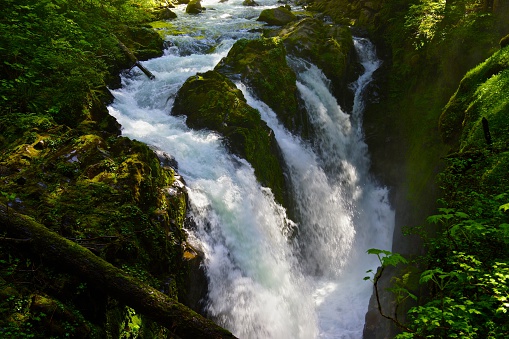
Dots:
pixel 165 28
pixel 262 65
pixel 144 42
pixel 475 165
pixel 328 46
pixel 83 182
pixel 279 16
pixel 210 100
pixel 101 191
pixel 482 86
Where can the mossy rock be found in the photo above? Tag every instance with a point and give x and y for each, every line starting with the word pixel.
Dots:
pixel 211 101
pixel 194 7
pixel 478 163
pixel 279 16
pixel 109 194
pixel 481 93
pixel 87 186
pixel 164 14
pixel 250 3
pixel 261 64
pixel 144 42
pixel 329 47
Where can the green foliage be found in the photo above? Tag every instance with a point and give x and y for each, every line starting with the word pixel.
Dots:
pixel 388 258
pixel 467 261
pixel 56 54
pixel 480 94
pixel 423 19
pixel 467 276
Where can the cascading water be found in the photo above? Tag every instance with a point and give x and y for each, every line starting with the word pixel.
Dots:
pixel 262 284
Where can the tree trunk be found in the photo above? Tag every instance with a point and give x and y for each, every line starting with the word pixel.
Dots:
pixel 73 258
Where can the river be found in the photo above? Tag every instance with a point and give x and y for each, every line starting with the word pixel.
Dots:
pixel 262 282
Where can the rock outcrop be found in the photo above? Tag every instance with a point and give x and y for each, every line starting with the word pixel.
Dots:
pixel 251 3
pixel 261 64
pixel 210 100
pixel 279 16
pixel 328 46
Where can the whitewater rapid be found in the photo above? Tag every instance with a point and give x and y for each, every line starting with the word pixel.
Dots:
pixel 263 283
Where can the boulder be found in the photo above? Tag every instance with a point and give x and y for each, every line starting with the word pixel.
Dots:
pixel 211 101
pixel 194 7
pixel 261 64
pixel 251 3
pixel 277 16
pixel 164 14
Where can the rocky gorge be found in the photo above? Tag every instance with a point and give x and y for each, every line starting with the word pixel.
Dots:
pixel 127 204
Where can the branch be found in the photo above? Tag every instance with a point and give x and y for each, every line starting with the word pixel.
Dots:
pixel 65 254
pixel 394 319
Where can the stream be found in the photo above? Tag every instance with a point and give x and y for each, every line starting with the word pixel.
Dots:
pixel 264 283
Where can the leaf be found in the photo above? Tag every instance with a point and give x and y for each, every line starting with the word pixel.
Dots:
pixel 387 257
pixel 500 196
pixel 461 215
pixel 504 207
pixel 446 210
pixel 394 259
pixel 377 251
pixel 435 219
pixel 427 276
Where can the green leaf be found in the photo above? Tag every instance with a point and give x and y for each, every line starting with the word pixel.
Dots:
pixel 461 215
pixel 377 251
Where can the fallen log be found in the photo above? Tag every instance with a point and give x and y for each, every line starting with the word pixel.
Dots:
pixel 134 60
pixel 75 259
pixel 144 70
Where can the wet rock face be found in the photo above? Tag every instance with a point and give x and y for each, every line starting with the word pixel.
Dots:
pixel 277 16
pixel 164 14
pixel 211 101
pixel 328 46
pixel 261 64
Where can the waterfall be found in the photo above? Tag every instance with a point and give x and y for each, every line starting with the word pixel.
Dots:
pixel 261 283
pixel 342 212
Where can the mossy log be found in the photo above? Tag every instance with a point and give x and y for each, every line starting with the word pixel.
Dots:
pixel 75 259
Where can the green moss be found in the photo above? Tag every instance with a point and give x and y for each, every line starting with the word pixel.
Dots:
pixel 165 28
pixel 480 94
pixel 83 182
pixel 476 165
pixel 277 16
pixel 210 100
pixel 262 65
pixel 108 195
pixel 328 46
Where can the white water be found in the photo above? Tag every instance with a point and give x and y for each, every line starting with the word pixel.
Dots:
pixel 262 285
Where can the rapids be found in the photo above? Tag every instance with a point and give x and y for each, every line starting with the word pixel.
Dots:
pixel 262 282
